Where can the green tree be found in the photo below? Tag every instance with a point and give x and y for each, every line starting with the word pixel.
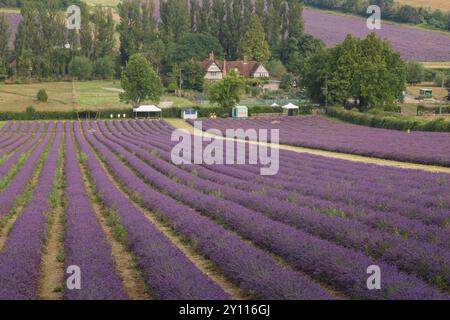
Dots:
pixel 216 20
pixel 204 18
pixel 40 39
pixel 138 28
pixel 255 46
pixel 272 21
pixel 447 85
pixel 195 46
pixel 103 32
pixel 190 73
pixel 174 15
pixel 81 68
pixel 415 72
pixel 227 92
pixel 4 50
pixel 291 56
pixel 317 68
pixel 42 95
pixel 295 18
pixel 104 68
pixel 440 79
pixel 366 71
pixel 140 82
pixel 276 69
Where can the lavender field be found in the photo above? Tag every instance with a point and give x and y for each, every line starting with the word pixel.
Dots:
pixel 321 133
pixel 209 231
pixel 412 43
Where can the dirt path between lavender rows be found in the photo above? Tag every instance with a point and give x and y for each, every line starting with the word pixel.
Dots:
pixel 181 124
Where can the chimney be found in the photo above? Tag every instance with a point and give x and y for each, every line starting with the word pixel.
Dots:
pixel 211 56
pixel 224 71
pixel 245 60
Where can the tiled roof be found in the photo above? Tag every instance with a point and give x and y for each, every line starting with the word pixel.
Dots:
pixel 244 68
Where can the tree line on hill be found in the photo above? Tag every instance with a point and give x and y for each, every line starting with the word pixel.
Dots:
pixel 21 3
pixel 269 31
pixel 390 10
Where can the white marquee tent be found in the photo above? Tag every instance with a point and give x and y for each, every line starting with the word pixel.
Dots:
pixel 290 106
pixel 148 110
pixel 290 109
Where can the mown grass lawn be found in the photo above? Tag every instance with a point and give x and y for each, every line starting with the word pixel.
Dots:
pixel 17 97
pixel 104 3
pixel 438 92
pixel 63 96
pixel 436 65
pixel 443 5
pixel 9 10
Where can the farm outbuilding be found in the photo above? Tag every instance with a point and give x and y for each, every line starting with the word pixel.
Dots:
pixel 426 93
pixel 189 114
pixel 148 111
pixel 290 109
pixel 240 112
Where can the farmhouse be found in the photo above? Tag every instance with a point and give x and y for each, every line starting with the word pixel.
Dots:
pixel 217 69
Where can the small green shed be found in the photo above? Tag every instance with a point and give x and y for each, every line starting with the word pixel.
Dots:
pixel 427 93
pixel 240 112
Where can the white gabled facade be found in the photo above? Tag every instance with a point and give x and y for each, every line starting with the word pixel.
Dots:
pixel 261 72
pixel 213 72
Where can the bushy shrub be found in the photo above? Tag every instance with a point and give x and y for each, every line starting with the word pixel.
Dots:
pixel 42 95
pixel 104 68
pixel 172 87
pixel 80 68
pixel 389 121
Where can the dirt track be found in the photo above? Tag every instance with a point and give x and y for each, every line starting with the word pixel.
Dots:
pixel 181 124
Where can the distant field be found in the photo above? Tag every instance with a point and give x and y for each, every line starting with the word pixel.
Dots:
pixel 412 42
pixel 19 97
pixel 9 10
pixel 437 65
pixel 438 92
pixel 92 95
pixel 105 3
pixel 444 5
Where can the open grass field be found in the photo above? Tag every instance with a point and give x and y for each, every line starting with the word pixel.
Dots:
pixel 17 97
pixel 443 5
pixel 139 227
pixel 104 3
pixel 439 93
pixel 9 10
pixel 437 65
pixel 83 95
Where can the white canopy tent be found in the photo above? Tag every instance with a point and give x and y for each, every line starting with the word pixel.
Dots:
pixel 290 106
pixel 275 104
pixel 290 109
pixel 148 110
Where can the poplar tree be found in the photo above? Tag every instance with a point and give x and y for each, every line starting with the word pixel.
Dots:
pixel 216 20
pixel 295 18
pixel 174 15
pixel 255 46
pixel 4 50
pixel 103 32
pixel 205 16
pixel 138 28
pixel 40 39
